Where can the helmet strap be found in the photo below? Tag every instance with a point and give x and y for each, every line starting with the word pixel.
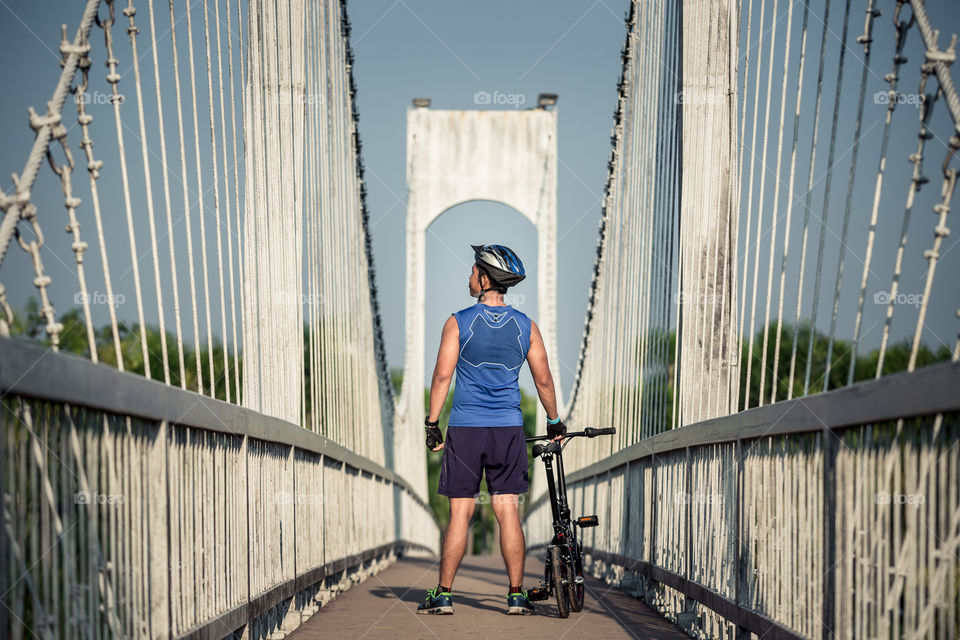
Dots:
pixel 480 273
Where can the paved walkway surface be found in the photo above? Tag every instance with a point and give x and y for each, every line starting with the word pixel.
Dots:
pixel 384 606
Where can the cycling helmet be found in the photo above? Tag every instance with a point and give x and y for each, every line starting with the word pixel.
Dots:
pixel 501 264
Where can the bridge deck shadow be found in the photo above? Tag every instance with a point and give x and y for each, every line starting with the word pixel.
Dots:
pixel 384 606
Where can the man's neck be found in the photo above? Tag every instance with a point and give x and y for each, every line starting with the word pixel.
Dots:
pixel 492 299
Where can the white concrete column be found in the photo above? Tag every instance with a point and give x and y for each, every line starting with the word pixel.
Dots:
pixel 273 251
pixel 709 213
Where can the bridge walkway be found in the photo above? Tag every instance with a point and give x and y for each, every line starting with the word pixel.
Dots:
pixel 384 607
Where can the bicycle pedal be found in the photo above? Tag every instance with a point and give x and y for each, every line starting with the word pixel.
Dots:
pixel 537 594
pixel 588 521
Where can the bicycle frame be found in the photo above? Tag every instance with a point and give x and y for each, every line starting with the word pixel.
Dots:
pixel 565 581
pixel 557 491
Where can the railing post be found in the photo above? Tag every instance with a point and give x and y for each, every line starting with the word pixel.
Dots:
pixel 245 449
pixel 829 534
pixel 161 619
pixel 293 471
pixel 323 506
pixel 625 528
pixel 738 568
pixel 608 514
pixel 688 551
pixel 168 435
pixel 5 549
pixel 653 521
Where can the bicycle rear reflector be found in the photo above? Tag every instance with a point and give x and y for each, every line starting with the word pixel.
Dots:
pixel 587 521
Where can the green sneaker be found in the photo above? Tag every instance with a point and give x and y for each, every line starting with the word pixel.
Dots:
pixel 518 604
pixel 437 602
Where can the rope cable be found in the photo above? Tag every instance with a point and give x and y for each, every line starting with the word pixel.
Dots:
pixel 916 180
pixel 241 283
pixel 775 216
pixel 826 204
pixel 774 18
pixel 133 30
pixel 216 208
pixel 806 207
pixel 226 201
pixel 790 201
pixel 186 198
pixel 865 40
pixel 756 258
pixel 902 29
pixel 174 280
pixel 116 99
pixel 65 171
pixel 201 198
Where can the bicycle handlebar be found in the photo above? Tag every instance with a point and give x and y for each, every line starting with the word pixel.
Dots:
pixel 587 433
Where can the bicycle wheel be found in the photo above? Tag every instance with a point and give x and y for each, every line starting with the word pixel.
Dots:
pixel 560 569
pixel 575 569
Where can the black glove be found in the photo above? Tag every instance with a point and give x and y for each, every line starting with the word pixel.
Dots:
pixel 558 429
pixel 434 436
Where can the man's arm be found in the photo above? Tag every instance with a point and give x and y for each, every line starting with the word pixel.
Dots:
pixel 443 371
pixel 540 370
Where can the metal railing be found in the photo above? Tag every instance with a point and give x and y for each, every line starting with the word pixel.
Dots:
pixel 136 509
pixel 834 515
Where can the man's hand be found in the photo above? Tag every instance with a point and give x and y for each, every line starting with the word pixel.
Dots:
pixel 434 436
pixel 556 431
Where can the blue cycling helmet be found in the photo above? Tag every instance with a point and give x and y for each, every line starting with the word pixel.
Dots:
pixel 501 264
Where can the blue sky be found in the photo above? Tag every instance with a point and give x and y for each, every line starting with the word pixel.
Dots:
pixel 449 51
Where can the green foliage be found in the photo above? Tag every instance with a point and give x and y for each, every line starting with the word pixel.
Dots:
pixel 396 377
pixel 29 322
pixel 896 359
pixel 73 339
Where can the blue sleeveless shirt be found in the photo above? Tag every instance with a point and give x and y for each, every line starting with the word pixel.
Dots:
pixel 494 342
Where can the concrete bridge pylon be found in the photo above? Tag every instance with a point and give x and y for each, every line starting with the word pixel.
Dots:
pixel 453 157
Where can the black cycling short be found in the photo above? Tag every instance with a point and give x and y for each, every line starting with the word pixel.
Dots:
pixel 469 452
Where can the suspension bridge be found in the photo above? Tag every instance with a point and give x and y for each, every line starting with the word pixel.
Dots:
pixel 200 437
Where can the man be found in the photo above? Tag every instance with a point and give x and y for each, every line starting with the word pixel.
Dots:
pixel 486 344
